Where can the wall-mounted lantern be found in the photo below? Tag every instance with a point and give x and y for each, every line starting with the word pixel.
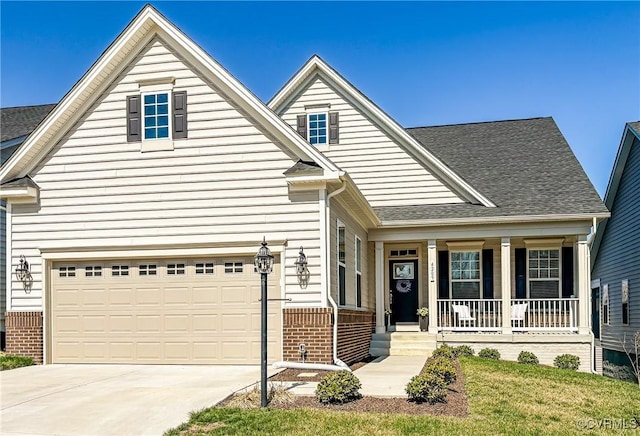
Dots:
pixel 23 274
pixel 301 269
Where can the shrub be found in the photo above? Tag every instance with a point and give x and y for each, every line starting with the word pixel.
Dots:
pixel 443 351
pixel 442 367
pixel 567 361
pixel 426 387
pixel 338 387
pixel 463 350
pixel 11 361
pixel 527 358
pixel 489 353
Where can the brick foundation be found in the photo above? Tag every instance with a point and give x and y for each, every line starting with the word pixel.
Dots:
pixel 354 334
pixel 311 327
pixel 24 334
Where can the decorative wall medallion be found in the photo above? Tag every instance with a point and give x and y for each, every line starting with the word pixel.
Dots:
pixel 404 286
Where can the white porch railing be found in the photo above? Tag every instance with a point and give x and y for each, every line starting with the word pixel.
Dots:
pixel 525 315
pixel 470 315
pixel 548 314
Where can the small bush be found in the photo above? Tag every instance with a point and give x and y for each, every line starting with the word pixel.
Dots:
pixel 11 361
pixel 442 367
pixel 489 353
pixel 567 361
pixel 338 387
pixel 463 350
pixel 527 358
pixel 443 351
pixel 426 387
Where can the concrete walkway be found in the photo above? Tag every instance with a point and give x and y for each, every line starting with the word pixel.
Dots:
pixel 386 376
pixel 106 400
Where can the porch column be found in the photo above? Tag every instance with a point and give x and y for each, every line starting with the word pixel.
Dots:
pixel 584 283
pixel 379 265
pixel 505 280
pixel 432 289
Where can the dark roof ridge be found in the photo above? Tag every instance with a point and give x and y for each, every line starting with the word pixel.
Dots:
pixel 479 122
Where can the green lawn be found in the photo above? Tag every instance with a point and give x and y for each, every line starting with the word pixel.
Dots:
pixel 504 398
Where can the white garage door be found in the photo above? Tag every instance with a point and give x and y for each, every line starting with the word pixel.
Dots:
pixel 198 311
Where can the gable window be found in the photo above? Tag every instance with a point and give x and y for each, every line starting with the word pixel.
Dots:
pixel 67 271
pixel 147 270
pixel 544 273
pixel 625 302
pixel 342 265
pixel 465 274
pixel 92 271
pixel 319 128
pixel 605 305
pixel 358 272
pixel 156 116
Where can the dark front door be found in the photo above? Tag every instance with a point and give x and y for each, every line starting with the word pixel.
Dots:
pixel 403 282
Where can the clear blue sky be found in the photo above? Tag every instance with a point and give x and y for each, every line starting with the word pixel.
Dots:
pixel 423 63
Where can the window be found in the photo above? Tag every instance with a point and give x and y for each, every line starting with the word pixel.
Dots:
pixel 403 253
pixel 233 267
pixel 358 272
pixel 625 302
pixel 544 273
pixel 119 270
pixel 67 271
pixel 605 305
pixel 205 268
pixel 318 128
pixel 342 266
pixel 147 270
pixel 175 269
pixel 93 271
pixel 465 274
pixel 156 116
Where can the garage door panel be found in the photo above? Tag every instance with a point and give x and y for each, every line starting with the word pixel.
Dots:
pixel 184 318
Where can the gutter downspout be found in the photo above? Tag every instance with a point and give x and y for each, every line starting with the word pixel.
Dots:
pixel 328 272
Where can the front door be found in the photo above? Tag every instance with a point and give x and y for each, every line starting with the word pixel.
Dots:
pixel 403 282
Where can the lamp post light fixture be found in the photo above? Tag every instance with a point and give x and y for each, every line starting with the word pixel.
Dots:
pixel 264 265
pixel 23 274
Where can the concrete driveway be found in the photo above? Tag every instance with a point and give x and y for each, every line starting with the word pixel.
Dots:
pixel 112 399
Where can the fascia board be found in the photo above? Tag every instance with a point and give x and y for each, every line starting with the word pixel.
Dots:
pixel 494 220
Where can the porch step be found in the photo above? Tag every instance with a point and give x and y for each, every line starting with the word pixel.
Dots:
pixel 402 344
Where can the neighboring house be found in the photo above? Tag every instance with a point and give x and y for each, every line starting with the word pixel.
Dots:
pixel 615 258
pixel 15 125
pixel 142 199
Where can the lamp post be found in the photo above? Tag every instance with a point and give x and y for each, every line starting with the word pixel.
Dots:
pixel 264 265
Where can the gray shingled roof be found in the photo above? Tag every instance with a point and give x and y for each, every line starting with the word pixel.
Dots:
pixel 524 166
pixel 635 125
pixel 302 168
pixel 20 121
pixel 23 182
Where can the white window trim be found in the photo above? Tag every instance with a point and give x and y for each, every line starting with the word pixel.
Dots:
pixel 605 293
pixel 340 224
pixel 358 269
pixel 528 277
pixel 480 280
pixel 157 86
pixel 326 117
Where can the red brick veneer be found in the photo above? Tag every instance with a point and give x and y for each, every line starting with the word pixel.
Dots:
pixel 311 327
pixel 354 334
pixel 24 334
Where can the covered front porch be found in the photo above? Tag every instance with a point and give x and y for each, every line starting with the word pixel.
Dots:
pixel 531 285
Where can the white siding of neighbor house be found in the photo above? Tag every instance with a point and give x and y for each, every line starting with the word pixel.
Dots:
pixel 385 173
pixel 352 229
pixel 224 183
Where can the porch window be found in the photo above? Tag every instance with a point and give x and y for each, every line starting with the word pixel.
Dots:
pixel 605 305
pixel 625 302
pixel 342 266
pixel 358 272
pixel 544 273
pixel 465 274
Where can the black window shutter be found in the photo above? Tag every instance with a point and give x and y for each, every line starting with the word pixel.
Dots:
pixel 179 115
pixel 333 127
pixel 134 122
pixel 302 126
pixel 521 272
pixel 487 273
pixel 443 275
pixel 567 272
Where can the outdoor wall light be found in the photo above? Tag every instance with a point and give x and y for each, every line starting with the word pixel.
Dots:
pixel 23 274
pixel 301 269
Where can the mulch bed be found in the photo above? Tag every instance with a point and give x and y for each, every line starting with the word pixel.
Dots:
pixel 293 375
pixel 456 401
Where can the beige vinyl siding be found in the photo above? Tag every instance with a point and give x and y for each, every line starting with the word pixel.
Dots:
pixel 385 173
pixel 224 184
pixel 352 229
